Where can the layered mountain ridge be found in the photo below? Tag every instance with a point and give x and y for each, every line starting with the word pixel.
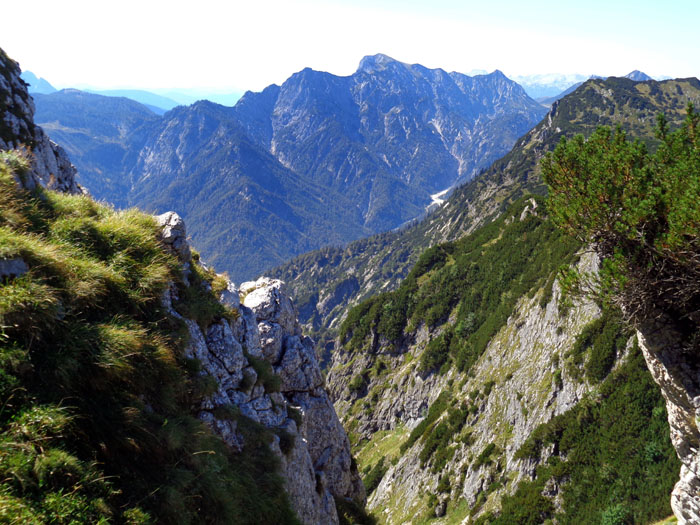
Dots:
pixel 369 150
pixel 325 283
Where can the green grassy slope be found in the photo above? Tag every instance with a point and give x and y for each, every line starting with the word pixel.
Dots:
pixel 97 398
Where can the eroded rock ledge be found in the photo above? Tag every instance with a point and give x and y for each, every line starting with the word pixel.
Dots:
pixel 318 466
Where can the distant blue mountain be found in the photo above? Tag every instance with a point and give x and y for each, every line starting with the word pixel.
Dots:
pixel 157 100
pixel 638 76
pixel 162 100
pixel 186 97
pixel 161 103
pixel 98 133
pixel 321 159
pixel 37 85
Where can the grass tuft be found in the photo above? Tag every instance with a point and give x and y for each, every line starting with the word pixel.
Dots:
pixel 96 397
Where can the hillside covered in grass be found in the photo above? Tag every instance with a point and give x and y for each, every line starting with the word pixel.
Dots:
pixel 97 421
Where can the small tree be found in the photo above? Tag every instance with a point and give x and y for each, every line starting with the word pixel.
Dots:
pixel 641 213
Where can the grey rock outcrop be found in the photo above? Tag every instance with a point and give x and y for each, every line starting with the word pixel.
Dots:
pixel 293 358
pixel 50 166
pixel 676 370
pixel 10 268
pixel 174 235
pixel 317 467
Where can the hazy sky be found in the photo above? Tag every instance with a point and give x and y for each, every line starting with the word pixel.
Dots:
pixel 248 45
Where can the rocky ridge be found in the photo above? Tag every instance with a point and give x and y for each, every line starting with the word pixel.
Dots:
pixel 317 464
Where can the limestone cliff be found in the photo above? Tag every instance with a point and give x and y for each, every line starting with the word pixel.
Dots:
pixel 312 447
pixel 50 165
pixel 516 385
pixel 674 367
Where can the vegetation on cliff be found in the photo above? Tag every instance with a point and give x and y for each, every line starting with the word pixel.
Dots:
pixel 96 420
pixel 474 283
pixel 613 462
pixel 465 293
pixel 641 212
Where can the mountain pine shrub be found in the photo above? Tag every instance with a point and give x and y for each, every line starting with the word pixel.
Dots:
pixel 640 211
pixel 612 452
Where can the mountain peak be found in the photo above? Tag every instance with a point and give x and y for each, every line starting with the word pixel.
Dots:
pixel 36 84
pixel 638 76
pixel 376 62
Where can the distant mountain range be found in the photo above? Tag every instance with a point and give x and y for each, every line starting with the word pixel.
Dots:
pixel 162 100
pixel 547 88
pixel 37 85
pixel 156 103
pixel 157 100
pixel 326 283
pixel 638 76
pixel 548 84
pixel 319 160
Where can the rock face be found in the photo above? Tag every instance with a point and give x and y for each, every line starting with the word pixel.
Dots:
pixel 528 387
pixel 677 372
pixel 10 268
pixel 412 126
pixel 293 359
pixel 174 235
pixel 50 166
pixel 317 466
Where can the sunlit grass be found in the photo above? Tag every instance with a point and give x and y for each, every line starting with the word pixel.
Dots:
pixel 96 396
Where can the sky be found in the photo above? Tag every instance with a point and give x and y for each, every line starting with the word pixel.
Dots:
pixel 239 46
